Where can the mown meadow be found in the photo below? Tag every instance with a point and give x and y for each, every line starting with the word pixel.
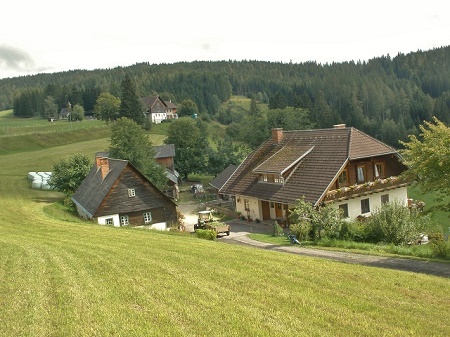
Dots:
pixel 60 276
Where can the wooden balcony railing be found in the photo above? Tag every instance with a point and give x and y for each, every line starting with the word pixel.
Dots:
pixel 358 190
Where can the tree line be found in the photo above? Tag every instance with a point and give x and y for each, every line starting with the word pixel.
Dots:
pixel 386 97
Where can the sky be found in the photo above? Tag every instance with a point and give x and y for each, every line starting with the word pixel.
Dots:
pixel 50 36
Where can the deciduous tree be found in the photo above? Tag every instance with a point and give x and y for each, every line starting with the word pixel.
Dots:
pixel 68 174
pixel 191 145
pixel 428 159
pixel 107 107
pixel 187 108
pixel 130 142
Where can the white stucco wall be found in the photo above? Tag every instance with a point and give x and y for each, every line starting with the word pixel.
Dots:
pixel 255 211
pixel 101 220
pixel 354 205
pixel 160 226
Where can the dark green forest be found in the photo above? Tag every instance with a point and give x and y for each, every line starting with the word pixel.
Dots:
pixel 387 97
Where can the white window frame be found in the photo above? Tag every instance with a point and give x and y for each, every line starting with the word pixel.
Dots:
pixel 278 179
pixel 124 220
pixel 131 192
pixel 109 221
pixel 147 217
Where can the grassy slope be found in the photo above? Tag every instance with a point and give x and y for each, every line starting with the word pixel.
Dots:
pixel 61 276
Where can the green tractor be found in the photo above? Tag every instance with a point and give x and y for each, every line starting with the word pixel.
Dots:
pixel 204 217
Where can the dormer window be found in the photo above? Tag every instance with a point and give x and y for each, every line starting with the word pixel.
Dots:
pixel 361 174
pixel 131 192
pixel 378 170
pixel 343 177
pixel 271 178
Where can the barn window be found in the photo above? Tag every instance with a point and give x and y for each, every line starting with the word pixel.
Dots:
pixel 131 192
pixel 147 217
pixel 109 221
pixel 124 220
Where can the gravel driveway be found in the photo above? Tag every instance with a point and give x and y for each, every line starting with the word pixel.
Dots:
pixel 241 229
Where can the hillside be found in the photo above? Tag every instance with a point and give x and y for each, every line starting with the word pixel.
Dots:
pixel 386 97
pixel 62 276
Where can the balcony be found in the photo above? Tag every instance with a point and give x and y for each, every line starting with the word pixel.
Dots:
pixel 358 190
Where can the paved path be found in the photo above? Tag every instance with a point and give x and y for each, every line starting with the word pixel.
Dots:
pixel 239 235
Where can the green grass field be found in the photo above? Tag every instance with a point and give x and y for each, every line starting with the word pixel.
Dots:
pixel 60 276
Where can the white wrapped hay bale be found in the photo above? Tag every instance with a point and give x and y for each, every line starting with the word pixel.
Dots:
pixel 36 184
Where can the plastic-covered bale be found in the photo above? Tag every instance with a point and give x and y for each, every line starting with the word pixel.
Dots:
pixel 45 185
pixel 36 184
pixel 31 175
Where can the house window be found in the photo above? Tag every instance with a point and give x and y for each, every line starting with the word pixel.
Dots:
pixel 361 174
pixel 109 221
pixel 131 192
pixel 147 217
pixel 378 170
pixel 264 177
pixel 278 179
pixel 272 205
pixel 246 204
pixel 344 210
pixel 343 177
pixel 124 220
pixel 365 206
pixel 384 198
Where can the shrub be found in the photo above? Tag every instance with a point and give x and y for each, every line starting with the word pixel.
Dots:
pixel 435 237
pixel 206 234
pixel 277 230
pixel 394 223
pixel 440 249
pixel 301 230
pixel 351 231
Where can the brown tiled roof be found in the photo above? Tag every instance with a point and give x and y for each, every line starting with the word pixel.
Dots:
pixel 362 146
pixel 149 101
pixel 282 160
pixel 170 105
pixel 313 157
pixel 223 176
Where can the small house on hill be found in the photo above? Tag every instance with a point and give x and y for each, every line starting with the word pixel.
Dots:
pixel 158 110
pixel 341 166
pixel 115 193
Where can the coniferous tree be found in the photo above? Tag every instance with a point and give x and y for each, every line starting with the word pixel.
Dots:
pixel 130 104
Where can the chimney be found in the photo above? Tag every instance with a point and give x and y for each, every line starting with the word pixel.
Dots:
pixel 102 164
pixel 339 126
pixel 277 135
